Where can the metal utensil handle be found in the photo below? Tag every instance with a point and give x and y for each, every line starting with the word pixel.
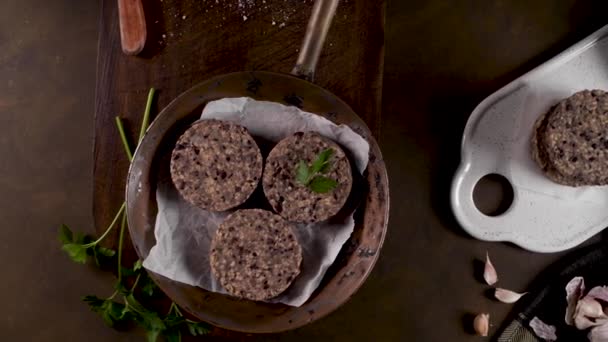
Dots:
pixel 323 12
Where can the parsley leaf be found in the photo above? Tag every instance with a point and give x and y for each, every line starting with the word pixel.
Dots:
pixel 130 272
pixel 198 328
pixel 310 176
pixel 76 251
pixel 94 302
pixel 148 287
pixel 111 312
pixel 152 335
pixel 322 184
pixel 138 265
pixel 325 168
pixel 102 256
pixel 105 251
pixel 173 335
pixel 82 239
pixel 302 173
pixel 173 323
pixel 79 246
pixel 127 272
pixel 322 162
pixel 121 287
pixel 65 235
pixel 133 305
pixel 173 320
pixel 148 319
pixel 74 245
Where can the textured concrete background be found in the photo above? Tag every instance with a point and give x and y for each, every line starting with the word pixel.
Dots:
pixel 442 58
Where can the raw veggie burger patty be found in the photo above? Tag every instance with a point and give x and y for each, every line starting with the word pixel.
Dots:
pixel 216 165
pixel 297 202
pixel 255 254
pixel 570 142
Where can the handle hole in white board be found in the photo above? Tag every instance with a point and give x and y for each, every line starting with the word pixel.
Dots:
pixel 493 194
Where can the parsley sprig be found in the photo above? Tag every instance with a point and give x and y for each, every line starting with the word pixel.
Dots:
pixel 119 313
pixel 311 176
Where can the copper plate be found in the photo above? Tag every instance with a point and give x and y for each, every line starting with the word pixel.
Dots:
pixel 358 255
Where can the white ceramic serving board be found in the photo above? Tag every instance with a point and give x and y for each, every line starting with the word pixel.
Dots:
pixel 544 216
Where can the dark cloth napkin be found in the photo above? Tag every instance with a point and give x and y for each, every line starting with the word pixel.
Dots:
pixel 547 298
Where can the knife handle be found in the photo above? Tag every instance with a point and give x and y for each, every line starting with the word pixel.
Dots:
pixel 132 26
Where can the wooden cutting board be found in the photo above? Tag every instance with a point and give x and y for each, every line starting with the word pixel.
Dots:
pixel 190 41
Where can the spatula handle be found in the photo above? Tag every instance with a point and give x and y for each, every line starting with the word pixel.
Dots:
pixel 132 26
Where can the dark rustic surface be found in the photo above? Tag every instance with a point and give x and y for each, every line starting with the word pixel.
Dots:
pixel 442 57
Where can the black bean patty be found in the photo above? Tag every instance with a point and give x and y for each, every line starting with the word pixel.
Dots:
pixel 294 201
pixel 570 142
pixel 255 254
pixel 216 165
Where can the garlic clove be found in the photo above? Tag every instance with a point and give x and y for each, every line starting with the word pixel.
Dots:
pixel 589 313
pixel 599 334
pixel 481 324
pixel 543 330
pixel 489 272
pixel 574 291
pixel 507 296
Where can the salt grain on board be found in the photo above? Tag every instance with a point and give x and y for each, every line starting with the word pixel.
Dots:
pixel 280 14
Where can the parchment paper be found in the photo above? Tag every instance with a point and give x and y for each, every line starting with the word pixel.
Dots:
pixel 184 232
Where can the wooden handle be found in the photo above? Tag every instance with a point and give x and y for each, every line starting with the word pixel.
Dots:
pixel 320 20
pixel 132 26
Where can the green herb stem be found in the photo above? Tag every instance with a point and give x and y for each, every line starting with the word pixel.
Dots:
pixel 135 283
pixel 176 308
pixel 121 236
pixel 122 208
pixel 113 295
pixel 146 119
pixel 123 137
pixel 113 312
